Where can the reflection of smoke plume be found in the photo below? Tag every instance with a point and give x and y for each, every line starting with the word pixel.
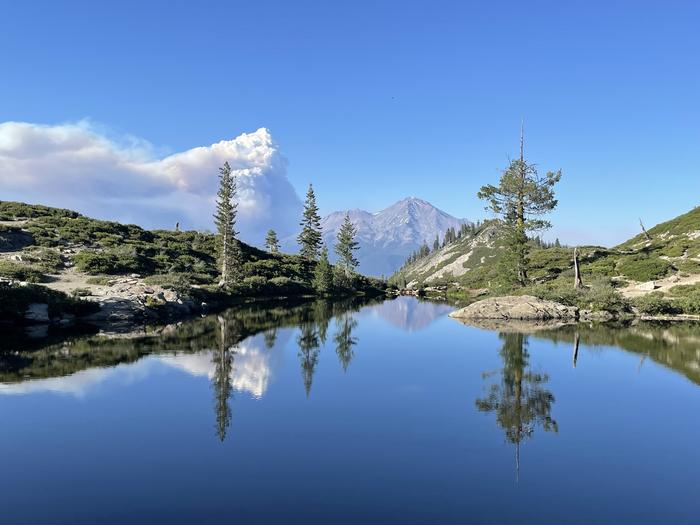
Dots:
pixel 252 369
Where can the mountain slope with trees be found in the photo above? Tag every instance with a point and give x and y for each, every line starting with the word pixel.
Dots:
pixel 57 248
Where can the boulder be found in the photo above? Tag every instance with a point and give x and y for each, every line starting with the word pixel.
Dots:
pixel 648 286
pixel 516 307
pixel 37 313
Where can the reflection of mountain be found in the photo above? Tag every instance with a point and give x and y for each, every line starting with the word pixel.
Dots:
pixel 410 313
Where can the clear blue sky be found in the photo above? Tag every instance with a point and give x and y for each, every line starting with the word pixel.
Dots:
pixel 374 101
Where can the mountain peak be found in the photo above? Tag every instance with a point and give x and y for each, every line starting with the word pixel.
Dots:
pixel 388 236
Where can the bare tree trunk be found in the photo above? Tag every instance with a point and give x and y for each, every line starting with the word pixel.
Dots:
pixel 577 340
pixel 578 283
pixel 644 230
pixel 224 261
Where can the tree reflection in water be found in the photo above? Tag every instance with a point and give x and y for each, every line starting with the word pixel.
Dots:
pixel 309 349
pixel 344 340
pixel 222 359
pixel 520 401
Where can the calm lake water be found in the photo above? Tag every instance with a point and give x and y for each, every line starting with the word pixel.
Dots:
pixel 336 413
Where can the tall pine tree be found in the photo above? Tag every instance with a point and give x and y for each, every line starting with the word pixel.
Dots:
pixel 520 197
pixel 272 243
pixel 310 236
pixel 346 246
pixel 323 274
pixel 225 221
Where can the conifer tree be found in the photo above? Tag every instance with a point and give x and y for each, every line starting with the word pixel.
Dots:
pixel 323 274
pixel 310 236
pixel 230 258
pixel 436 243
pixel 519 198
pixel 346 246
pixel 272 243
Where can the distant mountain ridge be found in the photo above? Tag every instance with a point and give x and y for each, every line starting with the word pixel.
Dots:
pixel 389 236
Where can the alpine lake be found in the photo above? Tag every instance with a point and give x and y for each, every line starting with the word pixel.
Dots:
pixel 344 413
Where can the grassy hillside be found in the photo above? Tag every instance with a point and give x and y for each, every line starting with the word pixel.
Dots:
pixel 672 254
pixel 38 241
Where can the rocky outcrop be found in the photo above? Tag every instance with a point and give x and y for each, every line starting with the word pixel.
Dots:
pixel 518 307
pixel 126 302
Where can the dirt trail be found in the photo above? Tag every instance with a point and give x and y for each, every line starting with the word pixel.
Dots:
pixel 662 285
pixel 69 279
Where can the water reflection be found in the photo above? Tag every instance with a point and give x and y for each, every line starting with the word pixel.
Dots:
pixel 411 314
pixel 519 398
pixel 309 342
pixel 344 339
pixel 222 359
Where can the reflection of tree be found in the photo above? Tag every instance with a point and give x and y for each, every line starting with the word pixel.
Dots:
pixel 270 336
pixel 309 343
pixel 520 401
pixel 344 341
pixel 221 381
pixel 322 313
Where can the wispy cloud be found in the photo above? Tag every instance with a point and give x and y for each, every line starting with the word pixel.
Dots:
pixel 79 166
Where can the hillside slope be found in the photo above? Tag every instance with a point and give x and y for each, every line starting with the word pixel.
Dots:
pixel 133 268
pixel 669 257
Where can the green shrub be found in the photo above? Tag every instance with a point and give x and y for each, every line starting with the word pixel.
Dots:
pixel 20 272
pixel 689 304
pixel 654 304
pixel 685 289
pixel 46 259
pixel 121 260
pixel 605 299
pixel 15 300
pixel 641 268
pixel 688 265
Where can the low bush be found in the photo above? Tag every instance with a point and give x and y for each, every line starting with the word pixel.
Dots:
pixel 654 304
pixel 641 268
pixel 16 299
pixel 21 272
pixel 46 259
pixel 100 280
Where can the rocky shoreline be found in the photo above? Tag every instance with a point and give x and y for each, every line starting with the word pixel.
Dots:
pixel 513 309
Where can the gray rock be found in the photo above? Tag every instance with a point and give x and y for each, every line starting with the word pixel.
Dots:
pixel 37 313
pixel 516 307
pixel 648 286
pixel 598 315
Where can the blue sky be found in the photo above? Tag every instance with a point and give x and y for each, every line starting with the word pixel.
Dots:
pixel 375 101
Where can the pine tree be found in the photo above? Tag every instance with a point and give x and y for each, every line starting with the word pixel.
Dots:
pixel 346 246
pixel 520 196
pixel 271 242
pixel 230 258
pixel 310 236
pixel 323 274
pixel 436 243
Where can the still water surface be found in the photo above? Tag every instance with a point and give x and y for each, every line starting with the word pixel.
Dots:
pixel 336 413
